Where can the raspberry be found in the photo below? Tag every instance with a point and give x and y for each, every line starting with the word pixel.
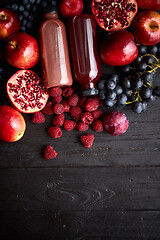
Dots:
pixel 97 125
pixel 73 100
pixel 97 114
pixel 87 118
pixel 67 92
pixel 58 108
pixel 81 102
pixel 65 105
pixel 76 113
pixel 91 104
pixel 69 125
pixel 82 127
pixel 87 140
pixel 58 120
pixel 48 108
pixel 55 132
pixel 57 99
pixel 49 152
pixel 116 123
pixel 55 91
pixel 38 117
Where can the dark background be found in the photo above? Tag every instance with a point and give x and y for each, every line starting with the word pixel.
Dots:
pixel 110 191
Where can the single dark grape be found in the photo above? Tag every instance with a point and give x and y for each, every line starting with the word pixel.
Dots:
pixel 137 60
pixel 144 106
pixel 148 77
pixel 110 84
pixel 21 8
pixel 23 28
pixel 14 7
pixel 28 6
pixel 114 77
pixel 137 107
pixel 141 66
pixel 20 17
pixel 126 83
pixel 34 8
pixel 146 92
pixel 24 22
pixel 101 84
pixel 24 2
pixel 102 94
pixel 156 91
pixel 30 18
pixel 137 83
pixel 121 99
pixel 125 69
pixel 53 3
pixel 128 92
pixel 32 1
pixel 118 89
pixel 152 98
pixel 44 4
pixel 148 59
pixel 153 49
pixel 37 2
pixel 110 95
pixel 142 50
pixel 29 25
pixel 26 13
pixel 110 103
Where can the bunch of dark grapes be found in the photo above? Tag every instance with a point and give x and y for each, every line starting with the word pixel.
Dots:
pixel 29 12
pixel 133 83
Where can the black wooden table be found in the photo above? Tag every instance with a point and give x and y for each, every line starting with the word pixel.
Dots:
pixel 110 191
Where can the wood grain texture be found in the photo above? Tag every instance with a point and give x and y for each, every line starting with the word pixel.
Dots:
pixel 82 188
pixel 80 225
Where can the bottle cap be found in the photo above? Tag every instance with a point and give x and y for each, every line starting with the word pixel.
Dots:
pixel 90 92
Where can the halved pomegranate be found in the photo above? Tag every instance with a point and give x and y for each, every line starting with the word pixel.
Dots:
pixel 114 15
pixel 26 91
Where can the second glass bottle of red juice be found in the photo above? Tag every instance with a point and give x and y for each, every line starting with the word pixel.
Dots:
pixel 86 64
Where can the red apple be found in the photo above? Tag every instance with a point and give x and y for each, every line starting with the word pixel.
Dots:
pixel 9 22
pixel 70 8
pixel 146 27
pixel 12 124
pixel 149 4
pixel 118 48
pixel 21 50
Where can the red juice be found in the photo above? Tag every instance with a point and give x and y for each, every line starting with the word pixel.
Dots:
pixel 54 51
pixel 86 65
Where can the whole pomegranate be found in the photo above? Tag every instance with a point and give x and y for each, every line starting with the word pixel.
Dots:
pixel 114 15
pixel 118 48
pixel 26 91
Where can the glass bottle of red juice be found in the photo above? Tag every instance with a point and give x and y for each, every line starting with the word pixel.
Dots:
pixel 85 59
pixel 54 51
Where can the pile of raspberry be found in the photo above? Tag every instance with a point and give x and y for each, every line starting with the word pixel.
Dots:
pixel 84 112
